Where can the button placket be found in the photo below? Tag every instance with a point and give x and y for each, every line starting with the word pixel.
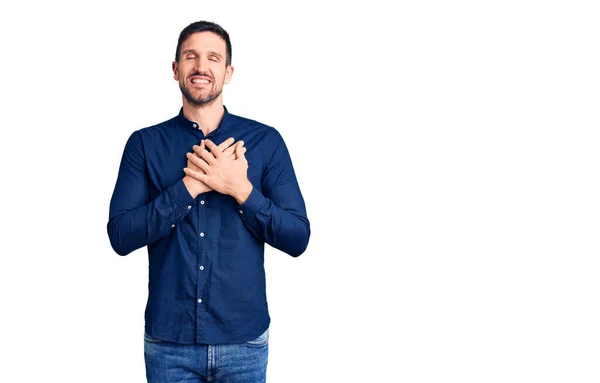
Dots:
pixel 202 276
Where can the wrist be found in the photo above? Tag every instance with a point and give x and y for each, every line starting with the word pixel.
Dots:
pixel 189 185
pixel 242 192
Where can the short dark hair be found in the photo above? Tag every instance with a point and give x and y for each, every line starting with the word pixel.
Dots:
pixel 204 26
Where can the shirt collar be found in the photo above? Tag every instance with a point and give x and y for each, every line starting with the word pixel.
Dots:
pixel 223 125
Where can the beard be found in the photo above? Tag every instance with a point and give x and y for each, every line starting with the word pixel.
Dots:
pixel 200 101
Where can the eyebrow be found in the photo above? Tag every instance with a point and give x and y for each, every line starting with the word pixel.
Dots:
pixel 194 51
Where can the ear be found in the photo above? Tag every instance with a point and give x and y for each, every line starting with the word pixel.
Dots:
pixel 175 70
pixel 228 74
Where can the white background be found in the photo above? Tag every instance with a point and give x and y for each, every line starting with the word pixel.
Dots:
pixel 447 152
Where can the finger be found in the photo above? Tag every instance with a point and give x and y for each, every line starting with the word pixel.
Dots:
pixel 225 144
pixel 213 148
pixel 192 159
pixel 199 162
pixel 204 154
pixel 239 150
pixel 194 174
pixel 198 148
pixel 230 151
pixel 193 166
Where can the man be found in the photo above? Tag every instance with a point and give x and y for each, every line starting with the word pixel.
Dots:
pixel 205 191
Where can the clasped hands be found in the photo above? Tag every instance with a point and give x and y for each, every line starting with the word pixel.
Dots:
pixel 222 168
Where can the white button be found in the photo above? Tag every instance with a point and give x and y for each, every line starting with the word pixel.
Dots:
pixel 202 234
pixel 190 206
pixel 241 212
pixel 199 300
pixel 173 225
pixel 202 202
pixel 201 267
pixel 195 125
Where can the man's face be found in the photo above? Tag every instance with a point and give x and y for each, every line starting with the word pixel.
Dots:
pixel 201 70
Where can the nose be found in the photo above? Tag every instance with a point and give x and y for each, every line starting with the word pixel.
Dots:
pixel 201 64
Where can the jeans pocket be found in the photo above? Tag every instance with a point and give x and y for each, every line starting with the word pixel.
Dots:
pixel 261 340
pixel 148 339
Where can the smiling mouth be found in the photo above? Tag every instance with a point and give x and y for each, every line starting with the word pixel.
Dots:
pixel 200 81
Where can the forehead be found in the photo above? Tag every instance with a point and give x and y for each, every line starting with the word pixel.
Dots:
pixel 204 41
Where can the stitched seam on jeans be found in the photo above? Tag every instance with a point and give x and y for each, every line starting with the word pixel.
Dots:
pixel 216 364
pixel 152 340
pixel 258 343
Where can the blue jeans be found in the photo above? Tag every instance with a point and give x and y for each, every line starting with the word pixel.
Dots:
pixel 168 362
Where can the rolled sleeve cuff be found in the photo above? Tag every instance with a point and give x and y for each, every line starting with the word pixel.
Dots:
pixel 252 205
pixel 181 196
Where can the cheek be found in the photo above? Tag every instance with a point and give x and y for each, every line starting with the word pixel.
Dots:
pixel 219 73
pixel 224 78
pixel 182 71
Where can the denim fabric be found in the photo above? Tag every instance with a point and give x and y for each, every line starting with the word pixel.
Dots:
pixel 168 362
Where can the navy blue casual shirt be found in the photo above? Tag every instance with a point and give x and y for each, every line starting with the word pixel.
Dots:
pixel 206 255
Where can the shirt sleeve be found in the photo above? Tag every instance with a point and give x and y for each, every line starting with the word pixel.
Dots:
pixel 135 220
pixel 277 216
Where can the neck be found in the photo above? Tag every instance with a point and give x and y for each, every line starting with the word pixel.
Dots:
pixel 208 117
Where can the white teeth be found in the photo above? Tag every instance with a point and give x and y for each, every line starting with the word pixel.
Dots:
pixel 199 81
